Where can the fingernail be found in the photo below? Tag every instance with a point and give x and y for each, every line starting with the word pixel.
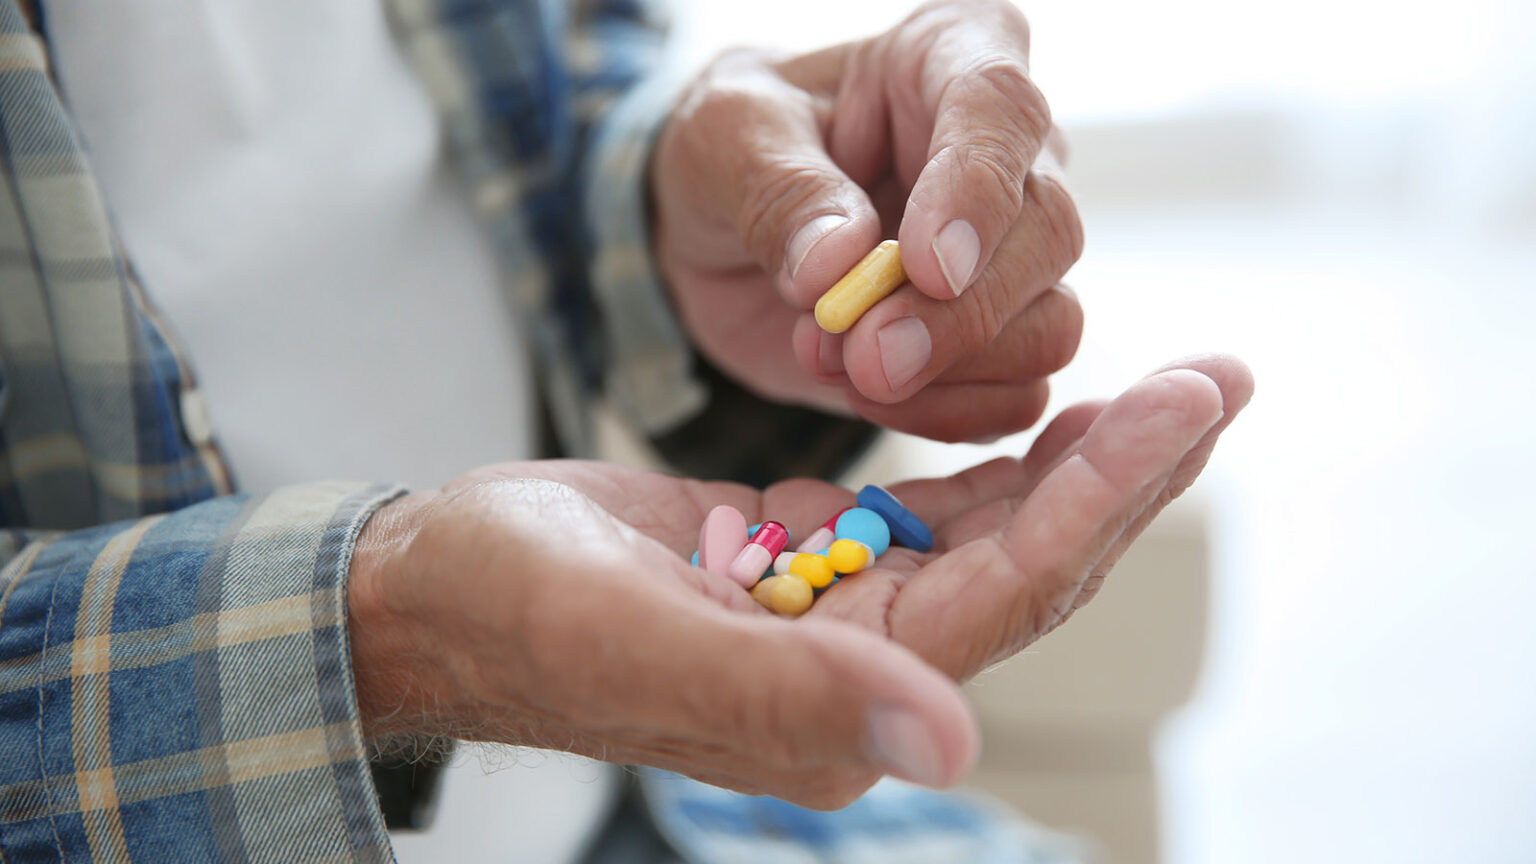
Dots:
pixel 900 743
pixel 829 354
pixel 958 248
pixel 905 349
pixel 808 236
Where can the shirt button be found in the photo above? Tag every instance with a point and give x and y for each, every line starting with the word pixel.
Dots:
pixel 194 417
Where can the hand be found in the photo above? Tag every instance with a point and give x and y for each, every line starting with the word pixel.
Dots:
pixel 550 604
pixel 773 177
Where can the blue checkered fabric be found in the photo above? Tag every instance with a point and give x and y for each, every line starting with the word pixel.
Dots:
pixel 93 395
pixel 893 823
pixel 549 120
pixel 174 676
pixel 177 687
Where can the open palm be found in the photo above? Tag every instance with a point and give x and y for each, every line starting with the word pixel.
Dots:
pixel 1019 543
pixel 559 607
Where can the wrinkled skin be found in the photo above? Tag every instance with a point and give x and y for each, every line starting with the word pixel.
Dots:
pixel 551 603
pixel 932 123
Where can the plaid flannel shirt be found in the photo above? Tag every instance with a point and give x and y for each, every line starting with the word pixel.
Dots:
pixel 174 671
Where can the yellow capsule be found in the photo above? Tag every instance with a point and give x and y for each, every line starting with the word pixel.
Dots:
pixel 762 592
pixel 791 595
pixel 870 281
pixel 815 569
pixel 848 556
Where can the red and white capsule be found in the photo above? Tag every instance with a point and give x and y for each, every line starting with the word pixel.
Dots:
pixel 822 537
pixel 757 556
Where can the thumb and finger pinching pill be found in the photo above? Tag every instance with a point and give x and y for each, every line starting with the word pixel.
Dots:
pixel 870 281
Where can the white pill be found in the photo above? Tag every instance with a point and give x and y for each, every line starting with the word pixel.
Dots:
pixel 781 563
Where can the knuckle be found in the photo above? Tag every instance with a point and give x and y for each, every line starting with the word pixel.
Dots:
pixel 692 131
pixel 1012 16
pixel 932 19
pixel 984 315
pixel 720 100
pixel 774 189
pixel 1069 338
pixel 1043 616
pixel 1022 410
pixel 723 99
pixel 1060 610
pixel 990 162
pixel 1029 615
pixel 942 427
pixel 1029 409
pixel 1063 224
pixel 734 106
pixel 997 155
pixel 951 12
pixel 1059 329
pixel 1091 587
pixel 1009 79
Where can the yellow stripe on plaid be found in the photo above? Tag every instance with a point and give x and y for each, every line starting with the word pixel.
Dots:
pixel 137 649
pixel 180 773
pixel 21 52
pixel 90 661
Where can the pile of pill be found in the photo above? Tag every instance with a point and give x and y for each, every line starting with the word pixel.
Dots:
pixel 757 558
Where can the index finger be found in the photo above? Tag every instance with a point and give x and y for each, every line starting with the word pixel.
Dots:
pixel 989 123
pixel 993 595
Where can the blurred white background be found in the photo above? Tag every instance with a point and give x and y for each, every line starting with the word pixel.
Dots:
pixel 1342 192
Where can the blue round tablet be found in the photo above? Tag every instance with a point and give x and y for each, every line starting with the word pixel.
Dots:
pixel 865 526
pixel 906 528
pixel 695 561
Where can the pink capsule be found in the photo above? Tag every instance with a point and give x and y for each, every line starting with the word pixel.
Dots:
pixel 822 537
pixel 721 538
pixel 757 556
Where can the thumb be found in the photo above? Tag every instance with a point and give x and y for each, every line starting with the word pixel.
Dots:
pixel 821 707
pixel 756 143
